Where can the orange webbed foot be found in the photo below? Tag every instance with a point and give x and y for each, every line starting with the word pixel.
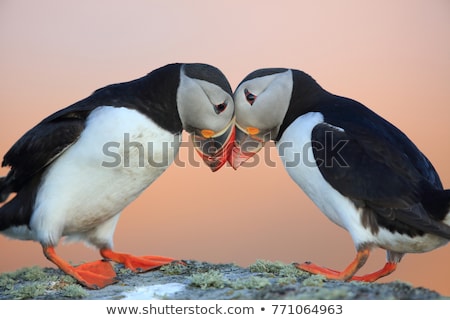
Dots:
pixel 136 264
pixel 92 275
pixel 95 275
pixel 388 268
pixel 316 269
pixel 348 274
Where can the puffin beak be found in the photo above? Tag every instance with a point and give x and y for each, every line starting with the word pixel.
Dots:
pixel 214 147
pixel 248 141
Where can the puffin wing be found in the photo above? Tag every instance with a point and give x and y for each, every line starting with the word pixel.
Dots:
pixel 377 175
pixel 42 144
pixel 28 158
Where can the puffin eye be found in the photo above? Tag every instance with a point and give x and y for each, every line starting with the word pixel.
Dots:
pixel 218 108
pixel 249 96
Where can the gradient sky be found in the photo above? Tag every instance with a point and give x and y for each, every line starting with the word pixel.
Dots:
pixel 393 56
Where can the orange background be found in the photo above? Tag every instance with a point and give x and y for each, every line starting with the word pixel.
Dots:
pixel 393 56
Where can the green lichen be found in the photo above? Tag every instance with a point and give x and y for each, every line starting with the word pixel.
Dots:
pixel 283 281
pixel 6 282
pixel 73 291
pixel 209 279
pixel 124 271
pixel 268 267
pixel 32 274
pixel 290 271
pixel 250 283
pixel 316 280
pixel 28 274
pixel 65 279
pixel 30 291
pixel 33 282
pixel 285 273
pixel 174 269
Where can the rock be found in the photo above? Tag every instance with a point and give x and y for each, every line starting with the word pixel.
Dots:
pixel 204 281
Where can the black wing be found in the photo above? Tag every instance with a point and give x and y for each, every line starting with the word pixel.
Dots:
pixel 28 158
pixel 370 161
pixel 47 140
pixel 40 146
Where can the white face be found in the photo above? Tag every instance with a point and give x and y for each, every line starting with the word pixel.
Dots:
pixel 203 105
pixel 207 113
pixel 262 102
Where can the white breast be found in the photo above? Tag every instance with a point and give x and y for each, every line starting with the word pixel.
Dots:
pixel 296 153
pixel 118 155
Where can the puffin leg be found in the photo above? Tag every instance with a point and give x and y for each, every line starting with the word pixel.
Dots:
pixel 135 264
pixel 93 275
pixel 388 268
pixel 346 274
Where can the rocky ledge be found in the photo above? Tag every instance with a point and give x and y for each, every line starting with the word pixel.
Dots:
pixel 263 280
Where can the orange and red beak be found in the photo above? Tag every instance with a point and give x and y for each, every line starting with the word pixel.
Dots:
pixel 248 141
pixel 215 147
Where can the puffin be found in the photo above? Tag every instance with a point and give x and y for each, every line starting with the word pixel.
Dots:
pixel 360 170
pixel 72 174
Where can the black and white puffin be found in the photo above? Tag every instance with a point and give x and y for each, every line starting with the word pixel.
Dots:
pixel 362 172
pixel 75 171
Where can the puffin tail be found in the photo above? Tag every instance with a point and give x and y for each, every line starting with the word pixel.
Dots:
pixel 437 204
pixel 4 189
pixel 7 210
pixel 17 211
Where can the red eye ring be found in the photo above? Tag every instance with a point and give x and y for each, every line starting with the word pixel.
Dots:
pixel 249 96
pixel 219 108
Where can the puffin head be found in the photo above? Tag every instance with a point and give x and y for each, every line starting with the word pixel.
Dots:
pixel 206 109
pixel 261 102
